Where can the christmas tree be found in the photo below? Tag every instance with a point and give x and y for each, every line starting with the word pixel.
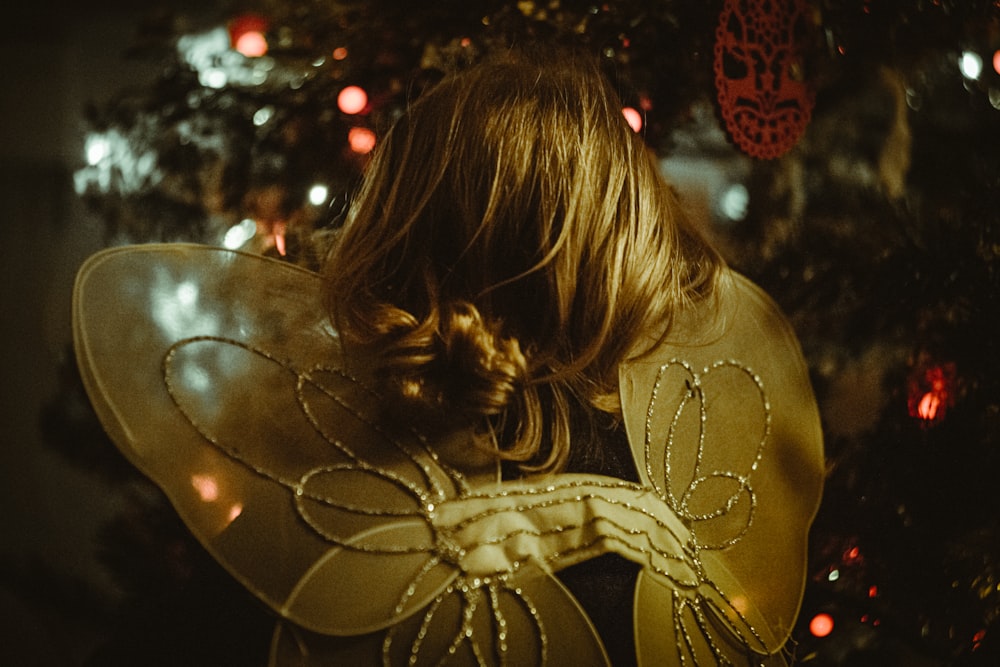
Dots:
pixel 869 208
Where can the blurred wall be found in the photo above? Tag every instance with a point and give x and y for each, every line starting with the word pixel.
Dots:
pixel 55 57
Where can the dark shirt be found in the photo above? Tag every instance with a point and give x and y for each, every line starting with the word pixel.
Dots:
pixel 605 586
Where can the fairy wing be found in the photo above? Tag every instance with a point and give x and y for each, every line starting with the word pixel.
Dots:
pixel 218 375
pixel 724 427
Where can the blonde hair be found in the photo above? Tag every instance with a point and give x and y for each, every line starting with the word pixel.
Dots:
pixel 511 244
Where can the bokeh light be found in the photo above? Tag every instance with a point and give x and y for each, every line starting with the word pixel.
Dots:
pixel 971 65
pixel 97 148
pixel 735 202
pixel 352 99
pixel 821 625
pixel 318 194
pixel 239 234
pixel 251 44
pixel 361 139
pixel 262 115
pixel 246 34
pixel 633 117
pixel 206 486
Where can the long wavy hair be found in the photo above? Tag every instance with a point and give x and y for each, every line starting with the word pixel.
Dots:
pixel 511 245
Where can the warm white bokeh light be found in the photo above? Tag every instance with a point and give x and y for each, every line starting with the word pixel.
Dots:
pixel 318 194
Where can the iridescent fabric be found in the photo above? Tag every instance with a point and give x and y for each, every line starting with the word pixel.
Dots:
pixel 219 376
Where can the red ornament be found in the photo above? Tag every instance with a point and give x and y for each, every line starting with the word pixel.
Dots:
pixel 763 98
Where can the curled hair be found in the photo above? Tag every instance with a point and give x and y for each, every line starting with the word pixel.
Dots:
pixel 512 243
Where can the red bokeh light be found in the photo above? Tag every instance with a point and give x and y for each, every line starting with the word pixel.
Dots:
pixel 361 140
pixel 352 99
pixel 633 117
pixel 246 34
pixel 251 44
pixel 821 625
pixel 932 392
pixel 852 555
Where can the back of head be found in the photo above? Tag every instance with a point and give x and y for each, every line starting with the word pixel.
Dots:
pixel 511 245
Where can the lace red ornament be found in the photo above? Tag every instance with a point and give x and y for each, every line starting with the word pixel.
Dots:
pixel 763 98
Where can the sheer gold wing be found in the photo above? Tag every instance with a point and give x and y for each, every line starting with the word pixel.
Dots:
pixel 725 430
pixel 218 375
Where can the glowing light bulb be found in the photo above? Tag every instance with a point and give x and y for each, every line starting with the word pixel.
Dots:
pixel 352 99
pixel 821 625
pixel 996 61
pixel 361 140
pixel 971 65
pixel 633 117
pixel 339 53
